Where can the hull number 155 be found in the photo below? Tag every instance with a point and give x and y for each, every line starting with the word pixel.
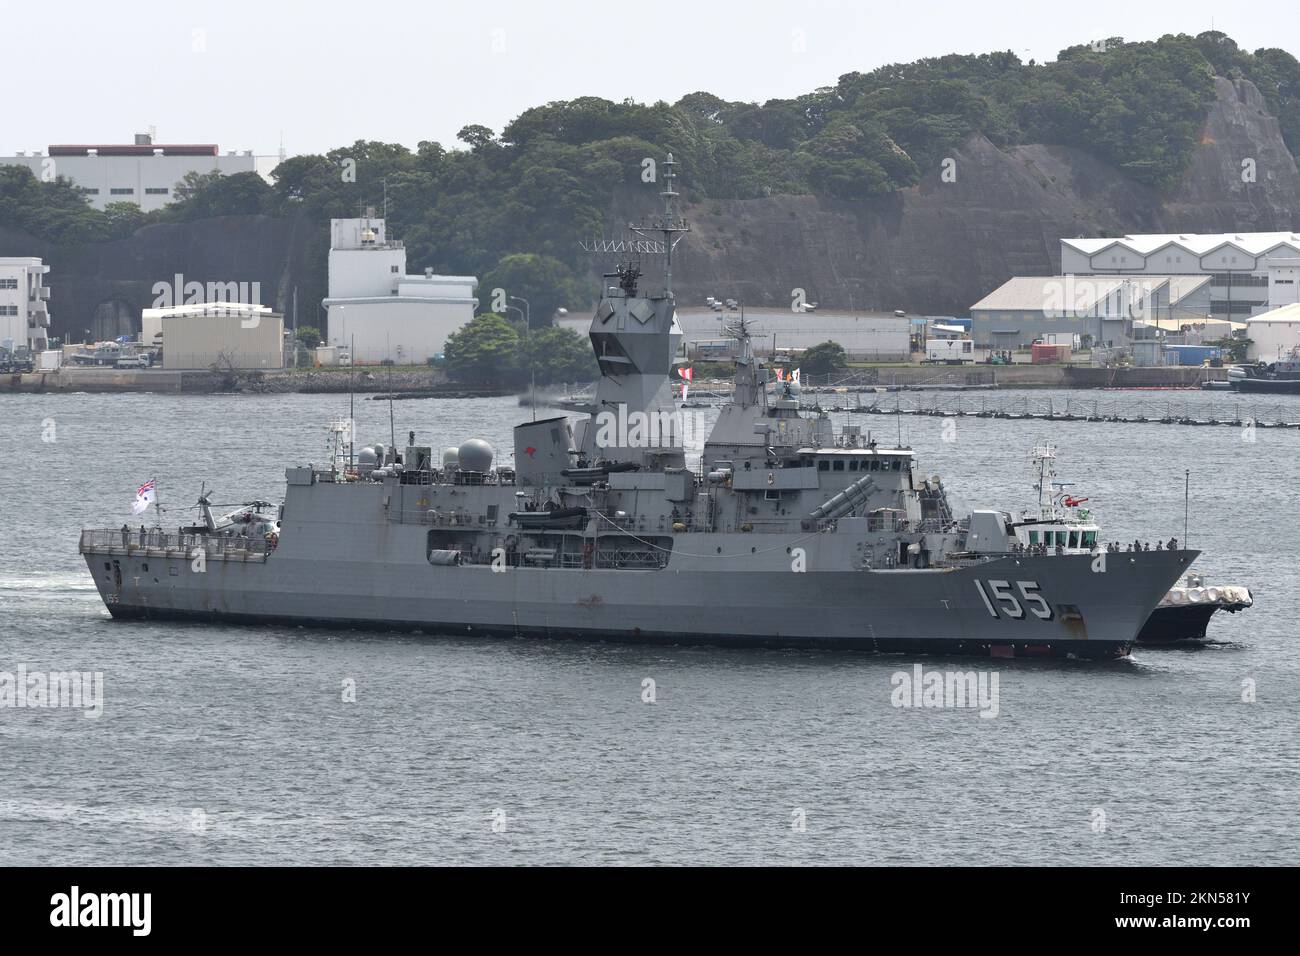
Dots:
pixel 1000 596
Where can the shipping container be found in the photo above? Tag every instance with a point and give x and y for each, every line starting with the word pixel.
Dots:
pixel 1191 354
pixel 1044 354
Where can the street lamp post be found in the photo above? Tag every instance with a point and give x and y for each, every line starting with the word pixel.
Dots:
pixel 528 343
pixel 528 321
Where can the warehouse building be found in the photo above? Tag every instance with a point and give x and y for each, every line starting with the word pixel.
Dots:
pixel 1249 272
pixel 1274 334
pixel 224 334
pixel 379 312
pixel 1099 309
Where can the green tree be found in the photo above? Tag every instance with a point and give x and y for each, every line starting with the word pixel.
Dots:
pixel 485 352
pixel 123 218
pixel 856 159
pixel 823 359
pixel 203 195
pixel 309 336
pixel 559 355
pixel 546 283
pixel 476 137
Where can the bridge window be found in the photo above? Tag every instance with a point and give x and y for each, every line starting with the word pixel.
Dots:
pixel 838 466
pixel 823 465
pixel 1090 539
pixel 1033 537
pixel 1074 539
pixel 853 464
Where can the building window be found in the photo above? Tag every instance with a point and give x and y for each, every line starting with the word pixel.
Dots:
pixel 155 191
pixel 1235 307
pixel 8 283
pixel 392 268
pixel 1236 280
pixel 121 191
pixel 90 190
pixel 8 310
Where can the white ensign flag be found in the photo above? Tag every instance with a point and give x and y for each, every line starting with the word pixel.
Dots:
pixel 144 497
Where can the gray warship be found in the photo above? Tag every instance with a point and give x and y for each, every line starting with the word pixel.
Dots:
pixel 786 533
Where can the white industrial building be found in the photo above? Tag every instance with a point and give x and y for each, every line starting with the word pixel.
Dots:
pixel 1104 309
pixel 225 334
pixel 1274 334
pixel 378 311
pixel 864 336
pixel 1250 272
pixel 24 314
pixel 144 172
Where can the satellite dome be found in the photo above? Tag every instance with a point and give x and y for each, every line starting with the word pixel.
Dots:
pixel 475 455
pixel 450 457
pixel 367 456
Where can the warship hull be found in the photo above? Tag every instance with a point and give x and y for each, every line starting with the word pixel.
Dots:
pixel 687 602
pixel 1269 386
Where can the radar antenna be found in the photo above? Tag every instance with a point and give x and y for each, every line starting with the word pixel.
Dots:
pixel 671 226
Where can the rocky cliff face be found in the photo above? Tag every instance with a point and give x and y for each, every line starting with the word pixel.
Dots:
pixel 941 246
pixel 936 248
pixel 101 287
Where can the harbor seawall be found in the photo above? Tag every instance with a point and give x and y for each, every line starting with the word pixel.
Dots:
pixel 425 382
pixel 201 381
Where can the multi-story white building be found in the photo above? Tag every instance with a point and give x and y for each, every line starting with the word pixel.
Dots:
pixel 145 172
pixel 1243 267
pixel 24 314
pixel 380 312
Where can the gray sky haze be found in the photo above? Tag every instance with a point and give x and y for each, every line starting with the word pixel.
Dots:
pixel 324 74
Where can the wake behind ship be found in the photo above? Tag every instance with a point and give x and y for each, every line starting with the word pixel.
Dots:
pixel 786 534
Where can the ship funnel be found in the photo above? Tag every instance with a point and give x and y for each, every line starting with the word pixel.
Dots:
pixel 543 450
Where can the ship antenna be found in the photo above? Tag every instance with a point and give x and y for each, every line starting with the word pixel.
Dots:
pixel 157 505
pixel 392 427
pixel 352 395
pixel 672 227
pixel 669 195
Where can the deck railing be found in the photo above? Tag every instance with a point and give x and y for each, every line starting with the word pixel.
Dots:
pixel 155 541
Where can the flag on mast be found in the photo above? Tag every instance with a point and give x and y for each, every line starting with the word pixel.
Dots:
pixel 145 495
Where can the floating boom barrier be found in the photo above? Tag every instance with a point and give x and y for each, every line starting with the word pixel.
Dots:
pixel 1237 414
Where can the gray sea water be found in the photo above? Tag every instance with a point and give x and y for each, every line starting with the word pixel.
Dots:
pixel 223 745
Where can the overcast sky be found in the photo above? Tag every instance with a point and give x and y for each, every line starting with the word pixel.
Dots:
pixel 323 74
